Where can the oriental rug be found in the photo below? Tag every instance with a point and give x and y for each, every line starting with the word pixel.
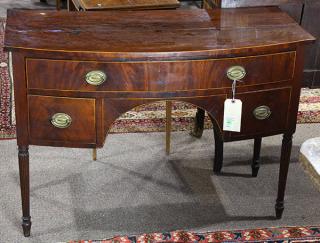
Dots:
pixel 279 235
pixel 149 118
pixel 7 121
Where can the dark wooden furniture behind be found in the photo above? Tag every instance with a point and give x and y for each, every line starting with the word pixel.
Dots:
pixel 123 5
pixel 70 90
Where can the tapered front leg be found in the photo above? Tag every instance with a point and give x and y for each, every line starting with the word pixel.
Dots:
pixel 256 157
pixel 198 124
pixel 218 152
pixel 25 188
pixel 284 166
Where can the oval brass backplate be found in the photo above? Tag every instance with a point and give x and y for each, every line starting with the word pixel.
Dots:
pixel 236 73
pixel 96 77
pixel 61 120
pixel 262 112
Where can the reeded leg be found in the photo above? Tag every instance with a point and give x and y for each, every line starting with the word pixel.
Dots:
pixel 256 157
pixel 284 166
pixel 168 125
pixel 198 124
pixel 218 153
pixel 23 155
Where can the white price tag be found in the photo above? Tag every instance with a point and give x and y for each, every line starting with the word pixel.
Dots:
pixel 232 115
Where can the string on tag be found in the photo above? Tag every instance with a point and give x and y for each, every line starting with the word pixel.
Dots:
pixel 234 83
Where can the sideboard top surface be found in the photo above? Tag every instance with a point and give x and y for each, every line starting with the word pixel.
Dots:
pixel 151 31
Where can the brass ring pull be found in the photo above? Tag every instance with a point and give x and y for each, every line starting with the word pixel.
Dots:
pixel 61 120
pixel 236 73
pixel 262 112
pixel 96 77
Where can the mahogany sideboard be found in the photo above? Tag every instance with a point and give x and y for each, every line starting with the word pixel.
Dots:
pixel 75 73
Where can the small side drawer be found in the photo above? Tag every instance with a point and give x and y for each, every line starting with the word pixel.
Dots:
pixel 264 112
pixel 62 119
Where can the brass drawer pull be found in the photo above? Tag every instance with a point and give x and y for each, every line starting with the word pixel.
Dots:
pixel 236 73
pixel 61 120
pixel 96 77
pixel 262 112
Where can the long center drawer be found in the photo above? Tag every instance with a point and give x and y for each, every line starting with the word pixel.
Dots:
pixel 156 76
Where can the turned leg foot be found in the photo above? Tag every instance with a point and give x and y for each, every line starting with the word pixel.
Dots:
pixel 255 171
pixel 255 166
pixel 279 209
pixel 218 153
pixel 284 166
pixel 23 156
pixel 26 226
pixel 198 124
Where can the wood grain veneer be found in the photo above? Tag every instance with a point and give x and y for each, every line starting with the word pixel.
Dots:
pixel 182 32
pixel 155 76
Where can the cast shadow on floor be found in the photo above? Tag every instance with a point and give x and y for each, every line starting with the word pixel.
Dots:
pixel 200 206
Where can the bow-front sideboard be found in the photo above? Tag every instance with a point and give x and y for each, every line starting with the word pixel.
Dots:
pixel 75 73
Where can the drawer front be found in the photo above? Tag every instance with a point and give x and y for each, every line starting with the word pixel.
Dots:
pixel 264 112
pixel 62 119
pixel 156 76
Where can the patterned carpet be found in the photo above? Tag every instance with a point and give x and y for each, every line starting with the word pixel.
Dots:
pixel 279 235
pixel 149 118
pixel 7 121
